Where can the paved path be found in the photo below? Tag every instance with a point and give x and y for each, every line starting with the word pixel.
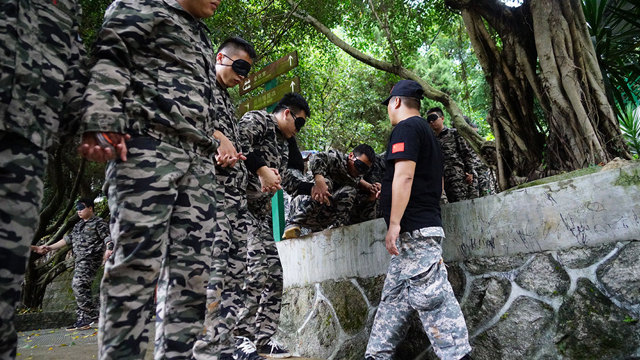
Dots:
pixel 59 344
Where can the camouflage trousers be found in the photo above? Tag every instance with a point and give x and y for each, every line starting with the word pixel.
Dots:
pixel 264 282
pixel 162 203
pixel 417 283
pixel 311 214
pixel 22 167
pixel 364 210
pixel 457 189
pixel 83 275
pixel 225 294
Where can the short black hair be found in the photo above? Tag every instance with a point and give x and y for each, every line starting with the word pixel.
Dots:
pixel 364 149
pixel 294 102
pixel 436 110
pixel 410 102
pixel 236 43
pixel 471 123
pixel 87 202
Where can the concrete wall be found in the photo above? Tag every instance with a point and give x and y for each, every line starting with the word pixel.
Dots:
pixel 545 272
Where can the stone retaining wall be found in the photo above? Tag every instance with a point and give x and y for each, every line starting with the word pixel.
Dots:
pixel 546 272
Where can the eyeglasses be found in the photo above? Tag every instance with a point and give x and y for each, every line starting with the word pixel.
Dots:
pixel 433 117
pixel 361 166
pixel 239 66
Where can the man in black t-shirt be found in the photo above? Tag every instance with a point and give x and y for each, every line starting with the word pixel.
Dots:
pixel 417 279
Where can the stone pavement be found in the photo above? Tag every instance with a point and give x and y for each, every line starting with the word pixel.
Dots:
pixel 59 344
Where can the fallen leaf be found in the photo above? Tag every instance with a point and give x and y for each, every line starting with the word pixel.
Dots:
pixel 50 348
pixel 61 345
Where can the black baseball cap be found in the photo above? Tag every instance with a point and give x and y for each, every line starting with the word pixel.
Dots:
pixel 408 88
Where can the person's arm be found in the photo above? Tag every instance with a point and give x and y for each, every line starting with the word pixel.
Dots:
pixel 58 245
pixel 467 157
pixel 251 130
pixel 319 166
pixel 400 194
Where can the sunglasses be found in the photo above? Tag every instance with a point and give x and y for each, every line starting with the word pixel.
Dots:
pixel 361 166
pixel 80 207
pixel 433 117
pixel 240 66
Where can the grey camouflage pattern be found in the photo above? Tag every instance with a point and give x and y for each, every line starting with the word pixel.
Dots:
pixel 42 68
pixel 225 297
pixel 458 160
pixel 163 214
pixel 259 133
pixel 22 167
pixel 152 75
pixel 88 239
pixel 417 283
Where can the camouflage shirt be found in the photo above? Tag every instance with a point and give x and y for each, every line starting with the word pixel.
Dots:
pixel 42 69
pixel 377 171
pixel 88 238
pixel 261 136
pixel 332 165
pixel 152 74
pixel 458 157
pixel 225 120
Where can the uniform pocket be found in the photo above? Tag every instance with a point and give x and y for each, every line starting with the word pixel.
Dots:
pixel 426 290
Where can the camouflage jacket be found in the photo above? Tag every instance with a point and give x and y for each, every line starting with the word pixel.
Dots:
pixel 377 171
pixel 42 68
pixel 458 157
pixel 332 165
pixel 225 120
pixel 89 238
pixel 152 74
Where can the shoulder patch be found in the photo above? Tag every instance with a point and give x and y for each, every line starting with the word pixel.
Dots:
pixel 399 147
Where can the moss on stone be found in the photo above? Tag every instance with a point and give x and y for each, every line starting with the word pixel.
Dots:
pixel 628 179
pixel 558 178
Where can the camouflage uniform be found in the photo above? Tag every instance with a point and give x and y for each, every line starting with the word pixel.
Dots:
pixel 88 239
pixel 485 182
pixel 363 209
pixel 260 134
pixel 458 161
pixel 41 83
pixel 224 294
pixel 417 282
pixel 152 78
pixel 309 213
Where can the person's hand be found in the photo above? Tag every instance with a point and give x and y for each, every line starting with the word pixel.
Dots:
pixel 44 249
pixel 91 149
pixel 390 239
pixel 227 154
pixel 107 255
pixel 469 178
pixel 269 179
pixel 320 192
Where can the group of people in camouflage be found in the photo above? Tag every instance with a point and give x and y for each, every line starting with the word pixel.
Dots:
pixel 189 186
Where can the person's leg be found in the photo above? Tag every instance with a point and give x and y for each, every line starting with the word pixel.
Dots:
pixel 343 201
pixel 22 167
pixel 268 315
pixel 431 295
pixel 390 324
pixel 225 296
pixel 83 275
pixel 142 193
pixel 181 300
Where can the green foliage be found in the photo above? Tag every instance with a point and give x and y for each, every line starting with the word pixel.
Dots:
pixel 614 26
pixel 629 119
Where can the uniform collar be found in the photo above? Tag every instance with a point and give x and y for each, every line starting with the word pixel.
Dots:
pixel 176 5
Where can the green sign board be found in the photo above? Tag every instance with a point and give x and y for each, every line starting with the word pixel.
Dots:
pixel 270 96
pixel 269 72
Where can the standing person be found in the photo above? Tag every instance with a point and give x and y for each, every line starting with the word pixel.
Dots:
pixel 89 238
pixel 459 172
pixel 224 293
pixel 42 79
pixel 267 138
pixel 417 279
pixel 150 101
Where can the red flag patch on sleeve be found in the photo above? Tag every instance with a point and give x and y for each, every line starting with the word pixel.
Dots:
pixel 399 147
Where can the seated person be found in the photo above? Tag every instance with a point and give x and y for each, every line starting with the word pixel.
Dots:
pixel 367 202
pixel 336 178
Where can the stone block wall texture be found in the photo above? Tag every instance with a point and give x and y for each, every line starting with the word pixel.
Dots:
pixel 545 272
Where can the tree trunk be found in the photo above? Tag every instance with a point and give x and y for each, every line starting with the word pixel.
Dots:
pixel 545 55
